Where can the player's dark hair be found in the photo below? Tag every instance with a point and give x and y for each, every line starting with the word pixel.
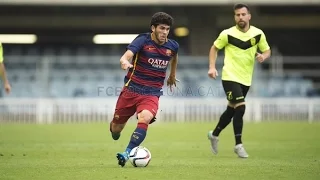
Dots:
pixel 240 5
pixel 161 18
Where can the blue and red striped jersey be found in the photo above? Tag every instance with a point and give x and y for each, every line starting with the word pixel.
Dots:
pixel 150 63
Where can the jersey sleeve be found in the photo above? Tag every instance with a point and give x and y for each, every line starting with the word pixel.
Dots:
pixel 263 44
pixel 137 44
pixel 222 40
pixel 176 47
pixel 1 53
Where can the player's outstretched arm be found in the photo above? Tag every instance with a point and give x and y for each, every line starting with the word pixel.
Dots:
pixel 3 73
pixel 218 44
pixel 4 78
pixel 264 48
pixel 213 73
pixel 124 60
pixel 174 63
pixel 172 77
pixel 264 56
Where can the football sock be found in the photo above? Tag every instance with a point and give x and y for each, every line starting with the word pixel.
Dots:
pixel 137 136
pixel 225 119
pixel 238 123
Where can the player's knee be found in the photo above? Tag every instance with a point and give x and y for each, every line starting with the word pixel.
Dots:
pixel 118 123
pixel 145 117
pixel 237 104
pixel 240 108
pixel 231 104
pixel 116 128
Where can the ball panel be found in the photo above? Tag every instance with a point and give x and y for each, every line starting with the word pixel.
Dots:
pixel 140 156
pixel 134 152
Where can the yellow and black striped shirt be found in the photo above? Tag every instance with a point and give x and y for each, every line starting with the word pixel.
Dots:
pixel 240 52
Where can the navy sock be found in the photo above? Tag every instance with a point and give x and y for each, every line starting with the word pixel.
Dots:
pixel 137 136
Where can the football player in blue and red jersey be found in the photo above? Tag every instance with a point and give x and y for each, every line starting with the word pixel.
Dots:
pixel 151 54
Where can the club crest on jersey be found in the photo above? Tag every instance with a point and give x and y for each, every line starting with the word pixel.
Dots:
pixel 253 41
pixel 158 63
pixel 169 52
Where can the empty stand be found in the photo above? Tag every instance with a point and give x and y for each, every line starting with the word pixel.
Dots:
pixel 66 72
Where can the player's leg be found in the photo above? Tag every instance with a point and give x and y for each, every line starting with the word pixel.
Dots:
pixel 224 120
pixel 147 107
pixel 240 107
pixel 139 134
pixel 226 116
pixel 117 126
pixel 125 108
pixel 154 119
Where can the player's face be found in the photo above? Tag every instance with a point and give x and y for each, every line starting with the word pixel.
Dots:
pixel 161 32
pixel 242 17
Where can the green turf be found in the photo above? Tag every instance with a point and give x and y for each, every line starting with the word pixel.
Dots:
pixel 179 151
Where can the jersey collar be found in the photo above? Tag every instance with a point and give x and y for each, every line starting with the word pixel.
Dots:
pixel 242 31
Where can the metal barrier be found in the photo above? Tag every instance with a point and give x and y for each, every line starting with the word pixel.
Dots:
pixel 90 110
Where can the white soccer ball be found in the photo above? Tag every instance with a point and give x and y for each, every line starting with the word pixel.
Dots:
pixel 140 156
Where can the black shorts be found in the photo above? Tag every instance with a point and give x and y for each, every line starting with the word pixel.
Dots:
pixel 235 92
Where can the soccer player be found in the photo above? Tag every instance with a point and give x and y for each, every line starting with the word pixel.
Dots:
pixel 241 43
pixel 151 54
pixel 3 73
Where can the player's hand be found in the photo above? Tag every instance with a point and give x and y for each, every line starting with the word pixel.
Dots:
pixel 260 57
pixel 125 64
pixel 172 81
pixel 7 87
pixel 213 73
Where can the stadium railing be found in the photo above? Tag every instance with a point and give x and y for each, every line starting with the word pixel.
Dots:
pixel 45 88
pixel 90 110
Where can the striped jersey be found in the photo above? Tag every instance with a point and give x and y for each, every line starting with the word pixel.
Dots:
pixel 150 63
pixel 240 51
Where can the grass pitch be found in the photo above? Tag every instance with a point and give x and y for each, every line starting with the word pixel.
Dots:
pixel 179 151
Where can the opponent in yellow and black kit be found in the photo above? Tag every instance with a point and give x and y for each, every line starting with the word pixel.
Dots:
pixel 240 50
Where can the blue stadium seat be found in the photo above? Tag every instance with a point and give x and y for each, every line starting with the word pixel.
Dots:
pixel 80 71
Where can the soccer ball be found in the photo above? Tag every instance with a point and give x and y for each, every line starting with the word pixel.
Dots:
pixel 140 156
